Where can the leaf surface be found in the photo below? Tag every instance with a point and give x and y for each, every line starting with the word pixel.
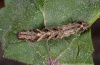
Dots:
pixel 32 14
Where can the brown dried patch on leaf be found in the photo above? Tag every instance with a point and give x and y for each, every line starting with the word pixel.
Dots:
pixel 53 33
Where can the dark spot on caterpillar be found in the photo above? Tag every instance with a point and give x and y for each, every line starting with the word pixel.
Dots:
pixel 79 22
pixel 53 33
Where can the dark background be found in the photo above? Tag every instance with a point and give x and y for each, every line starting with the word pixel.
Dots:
pixel 95 38
pixel 95 28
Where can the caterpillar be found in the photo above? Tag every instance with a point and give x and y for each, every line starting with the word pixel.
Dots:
pixel 37 35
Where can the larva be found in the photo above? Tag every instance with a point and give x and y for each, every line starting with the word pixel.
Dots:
pixel 53 33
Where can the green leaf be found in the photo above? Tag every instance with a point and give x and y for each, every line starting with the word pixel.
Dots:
pixel 32 14
pixel 64 11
